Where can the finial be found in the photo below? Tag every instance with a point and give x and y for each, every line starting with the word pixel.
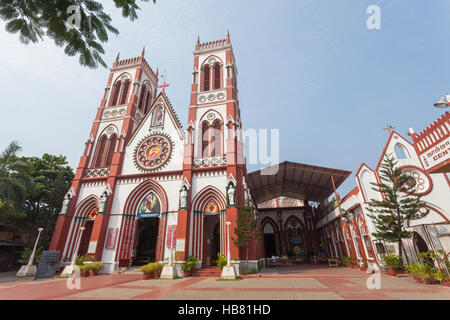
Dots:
pixel 143 52
pixel 157 72
pixel 118 56
pixel 228 34
pixel 198 40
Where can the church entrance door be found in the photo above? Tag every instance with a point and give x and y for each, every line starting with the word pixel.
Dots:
pixel 211 241
pixel 85 238
pixel 147 237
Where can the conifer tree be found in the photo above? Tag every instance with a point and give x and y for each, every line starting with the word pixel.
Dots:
pixel 246 229
pixel 398 204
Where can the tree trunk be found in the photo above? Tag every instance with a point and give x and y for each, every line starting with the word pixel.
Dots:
pixel 400 253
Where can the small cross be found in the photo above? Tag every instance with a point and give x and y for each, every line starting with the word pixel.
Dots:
pixel 389 128
pixel 163 86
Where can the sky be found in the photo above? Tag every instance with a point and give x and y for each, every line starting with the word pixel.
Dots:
pixel 310 68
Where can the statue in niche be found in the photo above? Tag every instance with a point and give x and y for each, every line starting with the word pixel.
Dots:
pixel 102 204
pixel 231 194
pixel 183 197
pixel 65 205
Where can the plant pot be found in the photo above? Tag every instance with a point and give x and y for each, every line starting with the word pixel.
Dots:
pixel 363 268
pixel 427 281
pixel 416 279
pixel 392 272
pixel 85 274
pixel 147 276
pixel 445 283
pixel 186 273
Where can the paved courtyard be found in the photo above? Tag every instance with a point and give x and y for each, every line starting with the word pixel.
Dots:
pixel 303 283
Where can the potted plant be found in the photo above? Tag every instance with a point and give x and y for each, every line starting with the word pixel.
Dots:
pixel 414 271
pixel 346 261
pixel 96 267
pixel 148 271
pixel 393 264
pixel 158 267
pixel 187 265
pixel 221 261
pixel 84 271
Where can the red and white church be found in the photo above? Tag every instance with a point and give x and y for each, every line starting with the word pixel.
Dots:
pixel 144 185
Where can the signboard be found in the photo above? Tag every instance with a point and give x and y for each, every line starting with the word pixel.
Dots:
pixel 111 238
pixel 92 246
pixel 171 233
pixel 180 245
pixel 437 155
pixel 148 215
pixel 47 264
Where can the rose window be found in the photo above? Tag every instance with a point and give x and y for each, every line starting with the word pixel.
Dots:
pixel 418 180
pixel 153 152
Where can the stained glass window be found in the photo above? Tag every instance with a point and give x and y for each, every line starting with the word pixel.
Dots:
pixel 150 206
pixel 211 208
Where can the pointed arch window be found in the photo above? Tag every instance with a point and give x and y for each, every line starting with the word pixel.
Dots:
pixel 150 206
pixel 206 77
pixel 142 97
pixel 115 93
pixel 148 100
pixel 205 140
pixel 217 78
pixel 216 139
pixel 100 151
pixel 126 86
pixel 211 208
pixel 111 149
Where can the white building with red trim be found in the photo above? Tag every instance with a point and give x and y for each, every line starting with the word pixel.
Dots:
pixel 429 233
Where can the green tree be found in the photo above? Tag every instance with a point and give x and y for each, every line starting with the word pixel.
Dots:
pixel 34 19
pixel 52 178
pixel 12 186
pixel 246 229
pixel 398 204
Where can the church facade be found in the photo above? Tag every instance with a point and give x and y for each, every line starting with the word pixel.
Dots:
pixel 145 186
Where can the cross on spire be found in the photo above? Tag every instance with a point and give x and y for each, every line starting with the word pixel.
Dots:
pixel 389 128
pixel 164 85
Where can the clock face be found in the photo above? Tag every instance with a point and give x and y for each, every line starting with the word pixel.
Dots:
pixel 153 152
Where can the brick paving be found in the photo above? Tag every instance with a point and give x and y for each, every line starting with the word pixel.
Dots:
pixel 300 283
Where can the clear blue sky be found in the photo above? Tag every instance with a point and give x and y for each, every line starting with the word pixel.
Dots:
pixel 310 68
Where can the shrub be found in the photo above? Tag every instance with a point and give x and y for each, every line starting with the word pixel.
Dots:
pixel 191 261
pixel 221 261
pixel 27 254
pixel 260 264
pixel 346 261
pixel 148 268
pixel 392 261
pixel 96 267
pixel 80 260
pixel 158 267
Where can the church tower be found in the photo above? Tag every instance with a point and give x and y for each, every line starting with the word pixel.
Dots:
pixel 130 92
pixel 214 169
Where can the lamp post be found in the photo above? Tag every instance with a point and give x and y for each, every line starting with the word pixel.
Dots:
pixel 30 262
pixel 74 257
pixel 68 270
pixel 30 269
pixel 444 102
pixel 228 223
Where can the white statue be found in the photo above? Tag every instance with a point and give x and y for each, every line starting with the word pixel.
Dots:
pixel 183 197
pixel 102 204
pixel 231 192
pixel 65 205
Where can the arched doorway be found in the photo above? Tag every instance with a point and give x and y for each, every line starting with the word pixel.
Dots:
pixel 269 241
pixel 211 233
pixel 88 225
pixel 147 230
pixel 296 245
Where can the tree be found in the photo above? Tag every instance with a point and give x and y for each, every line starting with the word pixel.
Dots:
pixel 399 203
pixel 52 178
pixel 246 229
pixel 12 186
pixel 80 26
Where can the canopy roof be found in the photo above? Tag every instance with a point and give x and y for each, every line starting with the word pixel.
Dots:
pixel 294 180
